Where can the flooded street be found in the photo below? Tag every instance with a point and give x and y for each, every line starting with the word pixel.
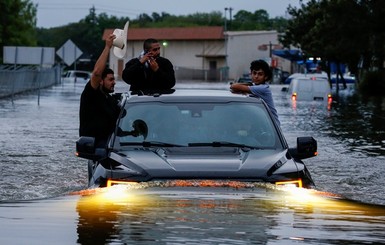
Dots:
pixel 37 144
pixel 351 145
pixel 43 196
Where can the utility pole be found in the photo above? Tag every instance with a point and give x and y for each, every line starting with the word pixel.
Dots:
pixel 270 50
pixel 226 70
pixel 231 17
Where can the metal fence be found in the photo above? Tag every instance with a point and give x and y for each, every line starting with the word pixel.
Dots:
pixel 19 79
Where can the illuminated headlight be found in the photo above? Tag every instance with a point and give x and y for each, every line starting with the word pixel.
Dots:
pixel 111 182
pixel 290 183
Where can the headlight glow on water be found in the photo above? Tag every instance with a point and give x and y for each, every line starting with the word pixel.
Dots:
pixel 296 192
pixel 303 195
pixel 119 190
pixel 116 193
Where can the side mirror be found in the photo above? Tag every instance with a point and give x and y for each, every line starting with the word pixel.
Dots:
pixel 306 148
pixel 85 148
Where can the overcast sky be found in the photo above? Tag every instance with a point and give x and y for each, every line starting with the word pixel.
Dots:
pixel 53 13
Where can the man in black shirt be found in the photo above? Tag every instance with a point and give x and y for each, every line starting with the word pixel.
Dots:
pixel 150 71
pixel 98 109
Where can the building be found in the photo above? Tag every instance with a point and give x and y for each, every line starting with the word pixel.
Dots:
pixel 245 46
pixel 202 53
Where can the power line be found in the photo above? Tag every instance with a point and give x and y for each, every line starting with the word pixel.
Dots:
pixel 115 11
pixel 98 9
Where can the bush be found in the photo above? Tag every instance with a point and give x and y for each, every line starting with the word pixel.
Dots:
pixel 373 83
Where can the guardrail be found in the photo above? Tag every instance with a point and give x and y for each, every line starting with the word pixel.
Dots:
pixel 20 79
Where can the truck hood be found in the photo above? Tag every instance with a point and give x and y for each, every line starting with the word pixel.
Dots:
pixel 200 162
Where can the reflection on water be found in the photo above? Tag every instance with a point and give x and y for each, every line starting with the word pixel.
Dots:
pixel 360 124
pixel 226 216
pixel 350 140
pixel 192 215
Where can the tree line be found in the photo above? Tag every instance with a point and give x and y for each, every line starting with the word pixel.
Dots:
pixel 348 32
pixel 340 31
pixel 87 33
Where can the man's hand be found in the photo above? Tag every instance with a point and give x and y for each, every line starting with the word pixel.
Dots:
pixel 153 64
pixel 144 58
pixel 240 88
pixel 148 57
pixel 110 41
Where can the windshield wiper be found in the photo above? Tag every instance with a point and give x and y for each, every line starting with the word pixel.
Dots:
pixel 224 143
pixel 150 144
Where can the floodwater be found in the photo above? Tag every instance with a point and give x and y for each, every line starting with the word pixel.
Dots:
pixel 43 196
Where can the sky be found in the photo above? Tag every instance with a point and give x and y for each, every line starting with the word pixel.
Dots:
pixel 54 13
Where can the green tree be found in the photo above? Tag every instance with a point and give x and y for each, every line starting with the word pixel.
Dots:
pixel 86 34
pixel 259 20
pixel 278 23
pixel 156 17
pixel 328 29
pixel 261 16
pixel 376 28
pixel 18 23
pixel 144 20
pixel 343 31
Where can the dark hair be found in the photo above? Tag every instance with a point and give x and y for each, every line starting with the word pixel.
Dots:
pixel 261 64
pixel 106 72
pixel 147 43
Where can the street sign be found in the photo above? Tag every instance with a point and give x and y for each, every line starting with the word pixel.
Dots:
pixel 69 53
pixel 29 55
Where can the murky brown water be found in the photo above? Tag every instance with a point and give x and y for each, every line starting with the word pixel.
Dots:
pixel 39 171
pixel 260 215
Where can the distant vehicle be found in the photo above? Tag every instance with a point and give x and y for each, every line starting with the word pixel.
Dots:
pixel 310 89
pixel 192 134
pixel 245 78
pixel 284 76
pixel 76 76
pixel 346 89
pixel 349 79
pixel 280 78
pixel 305 75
